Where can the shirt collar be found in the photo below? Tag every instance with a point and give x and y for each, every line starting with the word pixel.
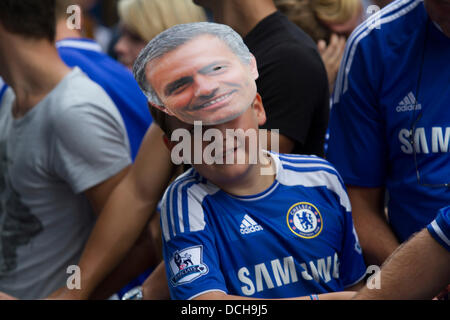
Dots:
pixel 83 44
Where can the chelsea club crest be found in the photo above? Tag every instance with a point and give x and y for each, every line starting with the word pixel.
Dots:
pixel 304 220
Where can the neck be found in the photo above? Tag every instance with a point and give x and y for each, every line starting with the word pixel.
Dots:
pixel 258 178
pixel 242 15
pixel 32 69
pixel 439 14
pixel 63 32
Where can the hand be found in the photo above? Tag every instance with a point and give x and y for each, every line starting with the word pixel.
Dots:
pixel 4 296
pixel 332 56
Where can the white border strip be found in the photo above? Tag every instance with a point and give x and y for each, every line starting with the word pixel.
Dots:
pixel 92 46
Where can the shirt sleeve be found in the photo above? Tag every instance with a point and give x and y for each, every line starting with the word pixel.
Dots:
pixel 356 129
pixel 353 268
pixel 191 259
pixel 90 145
pixel 440 228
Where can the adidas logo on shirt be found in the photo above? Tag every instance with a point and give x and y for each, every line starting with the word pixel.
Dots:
pixel 248 225
pixel 408 104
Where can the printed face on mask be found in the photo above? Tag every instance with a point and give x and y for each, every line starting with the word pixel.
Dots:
pixel 203 80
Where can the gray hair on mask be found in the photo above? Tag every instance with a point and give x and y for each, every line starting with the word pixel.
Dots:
pixel 178 35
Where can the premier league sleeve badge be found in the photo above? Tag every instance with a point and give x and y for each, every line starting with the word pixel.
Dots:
pixel 187 265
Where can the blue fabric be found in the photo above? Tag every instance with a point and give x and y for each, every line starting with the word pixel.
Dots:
pixel 2 91
pixel 374 102
pixel 251 246
pixel 440 228
pixel 118 82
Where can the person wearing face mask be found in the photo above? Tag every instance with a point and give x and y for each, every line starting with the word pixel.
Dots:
pixel 114 234
pixel 224 220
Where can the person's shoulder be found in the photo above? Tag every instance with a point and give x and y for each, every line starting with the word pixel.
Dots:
pixel 87 55
pixel 283 37
pixel 76 99
pixel 389 27
pixel 312 172
pixel 379 42
pixel 184 197
pixel 305 163
pixel 77 89
pixel 190 184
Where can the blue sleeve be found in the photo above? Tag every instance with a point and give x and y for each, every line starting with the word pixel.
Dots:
pixel 3 88
pixel 191 259
pixel 440 228
pixel 356 128
pixel 353 268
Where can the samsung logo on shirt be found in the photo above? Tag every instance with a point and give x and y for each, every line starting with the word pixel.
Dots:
pixel 260 276
pixel 440 139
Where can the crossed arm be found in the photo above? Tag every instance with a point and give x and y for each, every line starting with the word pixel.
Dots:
pixel 418 269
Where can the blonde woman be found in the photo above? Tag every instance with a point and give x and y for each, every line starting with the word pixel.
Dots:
pixel 329 23
pixel 141 20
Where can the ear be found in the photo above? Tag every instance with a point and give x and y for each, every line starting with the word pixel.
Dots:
pixel 253 67
pixel 258 109
pixel 162 108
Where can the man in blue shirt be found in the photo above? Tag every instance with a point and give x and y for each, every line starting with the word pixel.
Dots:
pixel 390 125
pixel 230 229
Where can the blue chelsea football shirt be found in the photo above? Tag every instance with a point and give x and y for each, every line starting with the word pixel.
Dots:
pixel 294 239
pixel 379 97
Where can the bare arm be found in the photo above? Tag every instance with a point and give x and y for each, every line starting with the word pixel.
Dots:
pixel 418 269
pixel 98 195
pixel 138 259
pixel 155 287
pixel 375 236
pixel 218 295
pixel 124 215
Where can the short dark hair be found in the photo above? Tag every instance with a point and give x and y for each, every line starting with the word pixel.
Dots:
pixel 29 18
pixel 166 122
